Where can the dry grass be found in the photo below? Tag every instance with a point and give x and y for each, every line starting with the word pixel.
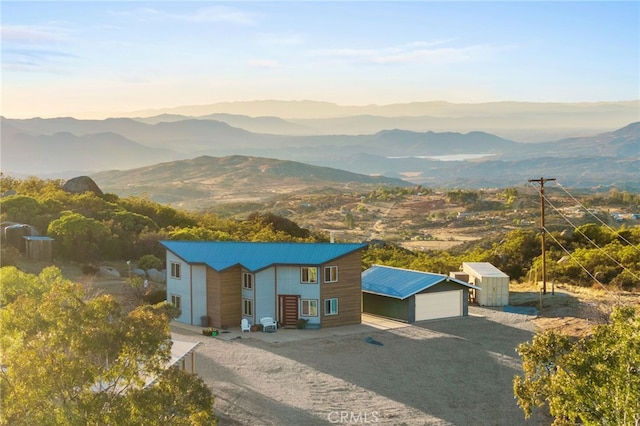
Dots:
pixel 570 309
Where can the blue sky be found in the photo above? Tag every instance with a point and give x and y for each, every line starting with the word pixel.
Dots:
pixel 74 58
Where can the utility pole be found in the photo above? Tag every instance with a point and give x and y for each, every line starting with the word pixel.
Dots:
pixel 541 181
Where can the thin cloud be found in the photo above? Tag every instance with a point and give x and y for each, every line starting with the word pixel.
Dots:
pixel 32 59
pixel 416 52
pixel 208 14
pixel 30 35
pixel 34 48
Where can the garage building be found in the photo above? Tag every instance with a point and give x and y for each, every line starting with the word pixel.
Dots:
pixel 410 296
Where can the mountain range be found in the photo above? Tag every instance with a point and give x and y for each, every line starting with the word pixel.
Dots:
pixel 65 147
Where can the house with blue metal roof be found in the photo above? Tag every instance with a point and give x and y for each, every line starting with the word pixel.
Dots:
pixel 411 296
pixel 225 282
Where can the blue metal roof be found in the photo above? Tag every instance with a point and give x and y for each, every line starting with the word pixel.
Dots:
pixel 255 256
pixel 37 238
pixel 402 283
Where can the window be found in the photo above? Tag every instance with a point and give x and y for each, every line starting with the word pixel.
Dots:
pixel 176 301
pixel 175 270
pixel 309 275
pixel 330 274
pixel 309 308
pixel 247 307
pixel 247 281
pixel 331 306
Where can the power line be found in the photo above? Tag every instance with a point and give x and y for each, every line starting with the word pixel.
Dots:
pixel 598 219
pixel 542 181
pixel 593 276
pixel 588 239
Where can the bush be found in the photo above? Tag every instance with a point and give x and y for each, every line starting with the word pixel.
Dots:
pixel 624 281
pixel 9 256
pixel 149 261
pixel 155 297
pixel 90 270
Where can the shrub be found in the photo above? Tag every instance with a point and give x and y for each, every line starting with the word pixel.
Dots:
pixel 624 281
pixel 149 261
pixel 155 297
pixel 9 256
pixel 90 270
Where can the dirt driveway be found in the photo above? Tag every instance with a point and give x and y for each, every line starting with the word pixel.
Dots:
pixel 447 372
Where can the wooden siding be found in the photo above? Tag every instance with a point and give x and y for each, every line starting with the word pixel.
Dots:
pixel 348 291
pixel 224 297
pixel 39 250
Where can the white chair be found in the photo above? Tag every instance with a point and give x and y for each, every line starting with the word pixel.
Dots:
pixel 268 323
pixel 244 324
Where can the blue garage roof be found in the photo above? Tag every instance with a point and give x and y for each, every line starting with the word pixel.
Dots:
pixel 255 256
pixel 402 283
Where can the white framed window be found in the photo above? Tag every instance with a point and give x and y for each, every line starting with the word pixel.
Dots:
pixel 175 270
pixel 330 274
pixel 247 281
pixel 309 275
pixel 309 307
pixel 247 307
pixel 176 301
pixel 331 306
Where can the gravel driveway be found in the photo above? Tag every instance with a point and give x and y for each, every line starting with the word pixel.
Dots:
pixel 447 372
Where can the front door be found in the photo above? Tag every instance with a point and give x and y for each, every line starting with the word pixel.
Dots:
pixel 288 310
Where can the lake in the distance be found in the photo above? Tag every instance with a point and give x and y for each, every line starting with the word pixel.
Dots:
pixel 451 157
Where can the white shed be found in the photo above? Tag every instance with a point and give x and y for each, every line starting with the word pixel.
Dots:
pixel 493 282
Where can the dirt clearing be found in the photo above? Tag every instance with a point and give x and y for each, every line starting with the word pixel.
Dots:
pixel 447 372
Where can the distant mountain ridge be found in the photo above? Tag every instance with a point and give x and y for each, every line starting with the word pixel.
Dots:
pixel 520 121
pixel 52 147
pixel 319 109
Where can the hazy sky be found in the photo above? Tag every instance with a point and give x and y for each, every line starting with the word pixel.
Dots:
pixel 67 58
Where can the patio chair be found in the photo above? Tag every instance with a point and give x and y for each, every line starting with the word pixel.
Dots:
pixel 244 325
pixel 268 323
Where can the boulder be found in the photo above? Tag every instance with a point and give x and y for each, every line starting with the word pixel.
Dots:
pixel 109 271
pixel 80 185
pixel 157 276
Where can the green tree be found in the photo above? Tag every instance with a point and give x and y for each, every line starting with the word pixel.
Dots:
pixel 78 237
pixel 69 359
pixel 462 196
pixel 20 209
pixel 515 253
pixel 600 235
pixel 163 216
pixel 149 261
pixel 349 220
pixel 594 380
pixel 279 223
pixel 127 227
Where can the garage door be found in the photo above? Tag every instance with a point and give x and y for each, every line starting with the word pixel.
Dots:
pixel 443 304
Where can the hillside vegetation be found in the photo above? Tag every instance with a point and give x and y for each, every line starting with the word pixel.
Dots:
pixel 90 228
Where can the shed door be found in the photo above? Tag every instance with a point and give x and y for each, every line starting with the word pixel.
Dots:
pixel 443 304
